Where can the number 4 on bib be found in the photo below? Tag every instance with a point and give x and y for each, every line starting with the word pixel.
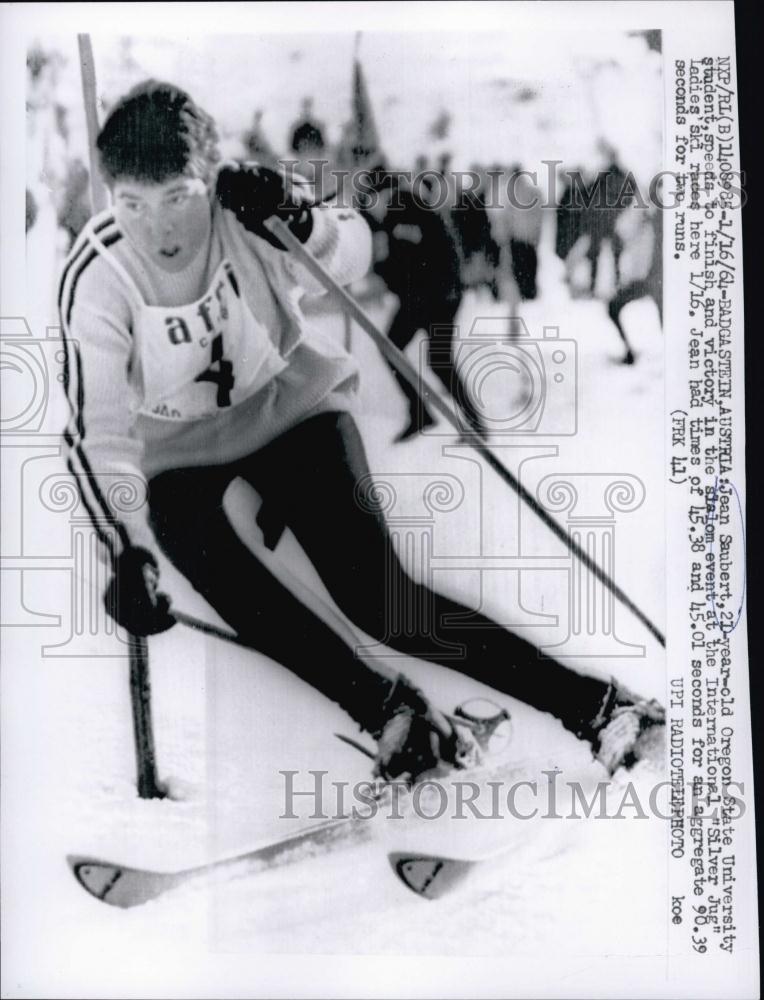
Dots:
pixel 220 372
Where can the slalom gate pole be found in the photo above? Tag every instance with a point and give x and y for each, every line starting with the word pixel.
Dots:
pixel 402 365
pixel 98 193
pixel 147 780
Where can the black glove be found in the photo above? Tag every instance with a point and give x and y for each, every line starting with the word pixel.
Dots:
pixel 254 194
pixel 132 598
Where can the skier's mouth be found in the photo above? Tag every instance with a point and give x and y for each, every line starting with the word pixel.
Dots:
pixel 169 252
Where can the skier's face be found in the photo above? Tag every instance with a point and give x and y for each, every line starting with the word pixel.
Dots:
pixel 168 222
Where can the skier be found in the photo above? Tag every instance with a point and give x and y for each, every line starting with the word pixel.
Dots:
pixel 191 364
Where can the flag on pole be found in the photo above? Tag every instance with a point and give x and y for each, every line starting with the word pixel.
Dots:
pixel 360 145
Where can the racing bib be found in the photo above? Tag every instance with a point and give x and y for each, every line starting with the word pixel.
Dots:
pixel 204 357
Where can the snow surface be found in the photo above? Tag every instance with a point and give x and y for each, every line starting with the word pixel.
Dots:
pixel 228 721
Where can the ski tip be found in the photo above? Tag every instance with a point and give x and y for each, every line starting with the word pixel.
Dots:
pixel 429 876
pixel 96 877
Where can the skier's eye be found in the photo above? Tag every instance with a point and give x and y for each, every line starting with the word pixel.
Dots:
pixel 178 200
pixel 133 207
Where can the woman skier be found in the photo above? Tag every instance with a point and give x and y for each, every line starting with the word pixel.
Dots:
pixel 190 364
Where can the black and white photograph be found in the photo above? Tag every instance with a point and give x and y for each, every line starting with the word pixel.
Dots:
pixel 374 583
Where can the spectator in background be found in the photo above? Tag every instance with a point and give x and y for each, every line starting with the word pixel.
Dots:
pixel 637 240
pixel 524 224
pixel 423 184
pixel 516 221
pixel 307 143
pixel 569 215
pixel 31 210
pixel 308 135
pixel 599 218
pixel 256 145
pixel 421 164
pixel 477 248
pixel 422 268
pixel 74 207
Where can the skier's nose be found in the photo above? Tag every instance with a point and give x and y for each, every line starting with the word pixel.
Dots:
pixel 162 225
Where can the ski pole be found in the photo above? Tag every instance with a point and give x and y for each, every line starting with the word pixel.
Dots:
pixel 402 365
pixel 208 629
pixel 147 780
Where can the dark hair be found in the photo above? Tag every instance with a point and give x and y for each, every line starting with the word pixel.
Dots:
pixel 155 132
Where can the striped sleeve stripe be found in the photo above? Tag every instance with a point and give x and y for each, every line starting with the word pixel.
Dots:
pixel 72 273
pixel 81 249
pixel 82 256
pixel 108 240
pixel 104 536
pixel 81 244
pixel 75 441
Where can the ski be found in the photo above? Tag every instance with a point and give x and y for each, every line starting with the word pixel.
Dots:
pixel 125 887
pixel 431 876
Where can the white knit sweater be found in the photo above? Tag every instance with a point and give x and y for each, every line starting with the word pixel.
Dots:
pixel 143 376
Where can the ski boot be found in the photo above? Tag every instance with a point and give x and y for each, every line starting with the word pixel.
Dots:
pixel 624 728
pixel 416 741
pixel 489 726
